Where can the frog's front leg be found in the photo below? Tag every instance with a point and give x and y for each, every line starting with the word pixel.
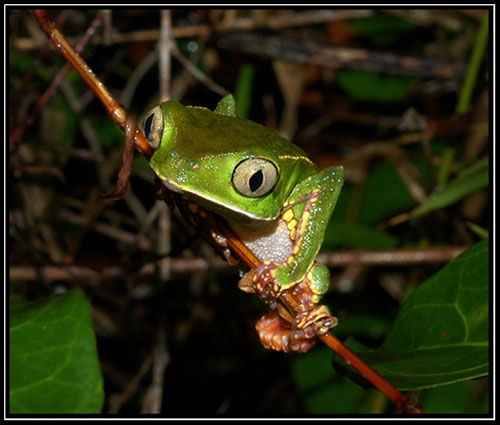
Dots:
pixel 306 213
pixel 281 331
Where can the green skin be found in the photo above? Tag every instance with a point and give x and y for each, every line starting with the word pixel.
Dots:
pixel 197 152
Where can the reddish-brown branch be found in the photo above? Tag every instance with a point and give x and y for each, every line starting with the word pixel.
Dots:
pixel 392 393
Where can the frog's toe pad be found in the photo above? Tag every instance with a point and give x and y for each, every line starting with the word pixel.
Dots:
pixel 315 322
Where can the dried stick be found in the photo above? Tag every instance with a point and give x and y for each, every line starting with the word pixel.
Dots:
pixel 116 270
pixel 238 24
pixel 336 57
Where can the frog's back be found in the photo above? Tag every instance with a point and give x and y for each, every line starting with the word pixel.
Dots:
pixel 239 136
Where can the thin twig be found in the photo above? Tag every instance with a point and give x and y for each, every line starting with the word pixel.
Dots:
pixel 290 19
pixel 474 64
pixel 336 57
pixel 132 386
pixel 436 254
pixel 36 63
pixel 199 75
pixel 135 78
pixel 182 79
pixel 18 132
pixel 161 358
pixel 183 265
pixel 113 108
pixel 238 24
pixel 165 45
pixel 108 230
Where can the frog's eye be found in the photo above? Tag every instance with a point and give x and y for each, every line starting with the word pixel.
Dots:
pixel 152 126
pixel 255 177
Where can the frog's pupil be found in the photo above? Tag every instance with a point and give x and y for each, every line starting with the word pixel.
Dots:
pixel 256 181
pixel 147 125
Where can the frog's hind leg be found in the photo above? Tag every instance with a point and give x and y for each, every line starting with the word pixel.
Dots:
pixel 275 333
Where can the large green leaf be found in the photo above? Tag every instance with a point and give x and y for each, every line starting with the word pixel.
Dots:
pixel 440 335
pixel 53 358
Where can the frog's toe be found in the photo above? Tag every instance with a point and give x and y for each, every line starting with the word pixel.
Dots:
pixel 275 333
pixel 265 284
pixel 299 343
pixel 315 322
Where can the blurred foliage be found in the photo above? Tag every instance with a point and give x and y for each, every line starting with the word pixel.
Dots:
pixel 374 87
pixel 433 171
pixel 243 90
pixel 382 28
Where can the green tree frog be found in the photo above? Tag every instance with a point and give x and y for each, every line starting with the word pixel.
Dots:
pixel 269 192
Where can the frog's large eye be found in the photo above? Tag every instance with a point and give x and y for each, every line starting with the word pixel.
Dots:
pixel 152 126
pixel 255 177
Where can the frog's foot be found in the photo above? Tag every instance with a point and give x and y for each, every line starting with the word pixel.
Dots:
pixel 265 284
pixel 275 333
pixel 312 323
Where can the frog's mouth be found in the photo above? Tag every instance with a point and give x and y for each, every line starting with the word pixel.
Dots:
pixel 213 204
pixel 172 187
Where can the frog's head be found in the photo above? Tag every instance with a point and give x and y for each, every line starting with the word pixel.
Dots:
pixel 227 164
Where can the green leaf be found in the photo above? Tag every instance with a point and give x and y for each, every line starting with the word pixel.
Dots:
pixel 374 87
pixel 53 357
pixel 476 58
pixel 478 230
pixel 440 336
pixel 470 180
